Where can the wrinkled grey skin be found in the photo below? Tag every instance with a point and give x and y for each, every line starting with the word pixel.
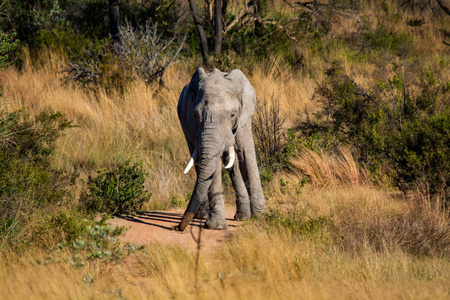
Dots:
pixel 215 112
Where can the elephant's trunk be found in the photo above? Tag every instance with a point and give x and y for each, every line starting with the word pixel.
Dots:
pixel 209 157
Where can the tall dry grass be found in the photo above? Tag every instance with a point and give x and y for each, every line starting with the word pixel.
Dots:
pixel 324 170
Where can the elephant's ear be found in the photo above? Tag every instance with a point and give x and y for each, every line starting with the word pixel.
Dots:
pixel 247 95
pixel 193 85
pixel 189 93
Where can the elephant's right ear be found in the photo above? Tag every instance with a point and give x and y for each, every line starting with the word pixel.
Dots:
pixel 193 85
pixel 247 95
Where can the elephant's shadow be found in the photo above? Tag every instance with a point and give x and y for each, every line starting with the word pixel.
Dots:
pixel 163 219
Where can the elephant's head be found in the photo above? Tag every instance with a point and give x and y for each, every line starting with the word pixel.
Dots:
pixel 222 104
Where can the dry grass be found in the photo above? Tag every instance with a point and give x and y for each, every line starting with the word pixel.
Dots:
pixel 324 170
pixel 258 261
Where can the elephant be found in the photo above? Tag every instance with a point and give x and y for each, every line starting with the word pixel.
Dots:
pixel 215 112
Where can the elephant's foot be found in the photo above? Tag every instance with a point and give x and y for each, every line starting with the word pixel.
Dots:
pixel 258 206
pixel 216 224
pixel 243 211
pixel 202 213
pixel 242 215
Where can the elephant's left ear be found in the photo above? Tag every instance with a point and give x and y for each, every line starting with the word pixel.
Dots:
pixel 246 93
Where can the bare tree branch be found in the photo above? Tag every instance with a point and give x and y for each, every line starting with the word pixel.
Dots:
pixel 444 7
pixel 242 14
pixel 148 53
pixel 285 31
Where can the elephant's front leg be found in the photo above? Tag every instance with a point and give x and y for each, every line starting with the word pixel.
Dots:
pixel 242 200
pixel 216 217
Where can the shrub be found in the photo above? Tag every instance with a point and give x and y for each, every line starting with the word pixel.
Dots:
pixel 388 128
pixel 297 222
pixel 31 139
pixel 141 53
pixel 63 36
pixel 274 143
pixel 8 44
pixel 146 51
pixel 92 242
pixel 28 183
pixel 118 191
pixel 382 39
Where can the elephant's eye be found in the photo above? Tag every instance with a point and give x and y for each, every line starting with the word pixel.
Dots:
pixel 233 115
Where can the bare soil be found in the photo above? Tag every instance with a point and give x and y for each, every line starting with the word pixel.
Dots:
pixel 157 227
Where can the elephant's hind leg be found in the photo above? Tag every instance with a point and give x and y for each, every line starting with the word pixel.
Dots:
pixel 216 218
pixel 250 173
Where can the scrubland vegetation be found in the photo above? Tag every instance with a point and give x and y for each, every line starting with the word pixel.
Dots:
pixel 352 132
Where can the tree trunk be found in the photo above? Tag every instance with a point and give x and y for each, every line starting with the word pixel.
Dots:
pixel 218 27
pixel 201 34
pixel 114 20
pixel 259 30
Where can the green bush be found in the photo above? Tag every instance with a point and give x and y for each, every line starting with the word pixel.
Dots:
pixel 8 44
pixel 297 222
pixel 29 138
pixel 389 128
pixel 118 191
pixel 382 39
pixel 63 36
pixel 100 66
pixel 28 183
pixel 92 242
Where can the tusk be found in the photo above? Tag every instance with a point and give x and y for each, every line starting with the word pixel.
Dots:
pixel 191 162
pixel 231 157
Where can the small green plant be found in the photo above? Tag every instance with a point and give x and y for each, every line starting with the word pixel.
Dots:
pixel 297 222
pixel 93 242
pixel 176 201
pixel 117 191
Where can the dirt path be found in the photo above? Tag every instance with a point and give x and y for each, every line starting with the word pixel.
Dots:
pixel 156 226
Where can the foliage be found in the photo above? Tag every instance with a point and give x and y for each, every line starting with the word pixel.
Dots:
pixel 27 180
pixel 381 39
pixel 389 128
pixel 63 36
pixel 31 139
pixel 147 52
pixel 8 44
pixel 93 242
pixel 177 200
pixel 120 190
pixel 297 222
pixel 142 53
pixel 99 67
pixel 274 143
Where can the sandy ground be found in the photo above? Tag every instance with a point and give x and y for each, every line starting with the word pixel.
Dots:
pixel 156 226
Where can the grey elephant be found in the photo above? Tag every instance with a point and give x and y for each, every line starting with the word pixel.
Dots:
pixel 215 112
